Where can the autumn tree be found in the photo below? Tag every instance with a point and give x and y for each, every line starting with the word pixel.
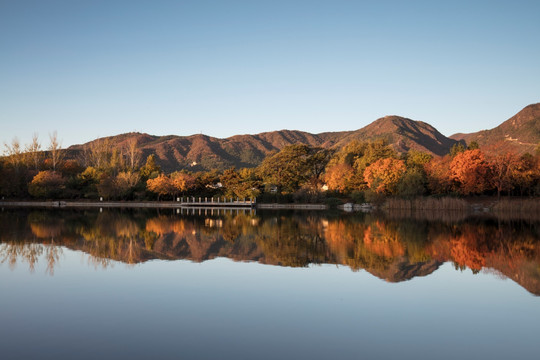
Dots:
pixel 384 174
pixel 183 181
pixel 470 171
pixel 358 156
pixel 47 184
pixel 373 152
pixel 439 180
pixel 161 185
pixel 150 168
pixel 339 177
pixel 526 174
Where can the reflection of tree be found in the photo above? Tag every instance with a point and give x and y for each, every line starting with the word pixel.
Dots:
pixel 26 252
pixel 395 250
pixel 292 242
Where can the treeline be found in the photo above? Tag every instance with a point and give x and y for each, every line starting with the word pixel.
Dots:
pixel 361 171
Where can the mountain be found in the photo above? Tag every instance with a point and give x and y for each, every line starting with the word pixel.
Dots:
pixel 202 152
pixel 519 134
pixel 402 133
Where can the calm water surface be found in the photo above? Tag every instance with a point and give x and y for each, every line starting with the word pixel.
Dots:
pixel 276 285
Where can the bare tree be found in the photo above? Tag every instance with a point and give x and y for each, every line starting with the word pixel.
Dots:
pixel 133 153
pixel 55 151
pixel 34 151
pixel 99 153
pixel 14 152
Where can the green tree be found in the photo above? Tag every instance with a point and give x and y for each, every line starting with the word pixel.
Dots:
pixel 290 168
pixel 456 149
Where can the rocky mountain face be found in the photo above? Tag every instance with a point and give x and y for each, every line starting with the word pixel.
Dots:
pixel 519 134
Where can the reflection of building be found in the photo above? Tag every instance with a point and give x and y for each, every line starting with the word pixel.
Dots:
pixel 213 223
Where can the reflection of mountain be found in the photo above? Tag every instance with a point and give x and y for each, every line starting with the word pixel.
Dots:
pixel 391 250
pixel 403 269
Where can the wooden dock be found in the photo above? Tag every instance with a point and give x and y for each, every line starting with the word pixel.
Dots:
pixel 191 202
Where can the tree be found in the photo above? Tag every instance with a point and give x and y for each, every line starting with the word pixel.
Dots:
pixel 373 152
pixel 243 184
pixel 503 172
pixel 151 168
pixel 418 159
pixel 438 176
pixel 470 171
pixel 457 148
pixel 161 185
pixel 412 183
pixel 338 177
pixel 288 169
pixel 133 153
pixel 34 152
pixel 384 174
pixel 14 153
pixel 473 146
pixel 294 166
pixel 55 151
pixel 125 182
pixel 107 186
pixel 183 181
pixel 46 184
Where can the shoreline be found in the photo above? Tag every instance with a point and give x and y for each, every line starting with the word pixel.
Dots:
pixel 156 204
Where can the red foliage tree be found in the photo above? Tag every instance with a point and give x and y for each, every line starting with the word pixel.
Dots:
pixel 471 172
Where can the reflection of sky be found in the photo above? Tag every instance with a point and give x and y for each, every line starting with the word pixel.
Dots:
pixel 225 309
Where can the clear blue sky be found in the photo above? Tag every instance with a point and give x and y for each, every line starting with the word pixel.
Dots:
pixel 99 68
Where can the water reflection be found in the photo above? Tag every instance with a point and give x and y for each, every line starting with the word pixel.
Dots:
pixel 391 248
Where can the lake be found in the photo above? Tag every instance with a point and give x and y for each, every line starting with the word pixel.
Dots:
pixel 88 284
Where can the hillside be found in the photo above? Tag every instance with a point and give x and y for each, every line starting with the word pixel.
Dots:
pixel 519 134
pixel 402 133
pixel 202 152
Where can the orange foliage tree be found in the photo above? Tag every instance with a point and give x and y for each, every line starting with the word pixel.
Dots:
pixel 384 174
pixel 338 177
pixel 183 182
pixel 161 185
pixel 471 172
pixel 46 184
pixel 438 175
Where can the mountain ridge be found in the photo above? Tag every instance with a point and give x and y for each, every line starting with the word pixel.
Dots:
pixel 520 134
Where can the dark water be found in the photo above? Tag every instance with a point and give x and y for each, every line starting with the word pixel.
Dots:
pixel 276 285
